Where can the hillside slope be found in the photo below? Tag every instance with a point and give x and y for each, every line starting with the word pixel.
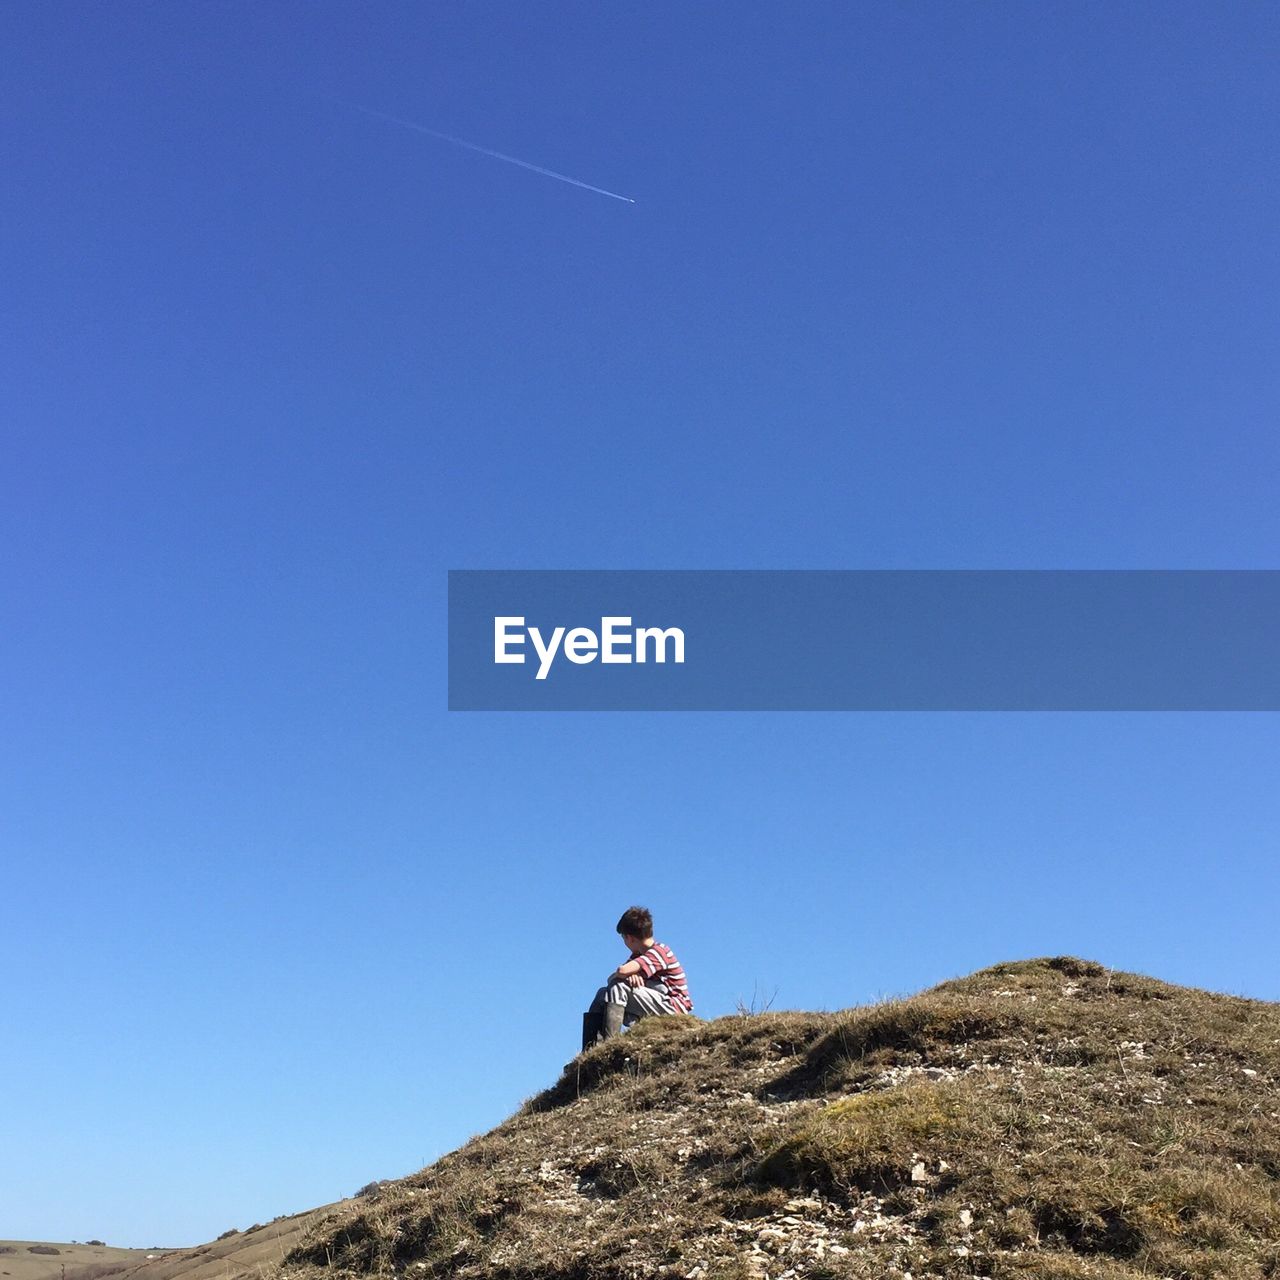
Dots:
pixel 1047 1118
pixel 43 1260
pixel 256 1251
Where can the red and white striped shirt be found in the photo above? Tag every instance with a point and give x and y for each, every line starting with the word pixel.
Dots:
pixel 659 963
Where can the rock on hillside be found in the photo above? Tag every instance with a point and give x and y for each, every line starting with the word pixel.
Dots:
pixel 1048 1118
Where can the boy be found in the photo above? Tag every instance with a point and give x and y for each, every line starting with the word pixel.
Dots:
pixel 650 983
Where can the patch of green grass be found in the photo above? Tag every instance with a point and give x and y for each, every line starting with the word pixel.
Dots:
pixel 872 1141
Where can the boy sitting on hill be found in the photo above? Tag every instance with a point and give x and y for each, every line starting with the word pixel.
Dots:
pixel 651 982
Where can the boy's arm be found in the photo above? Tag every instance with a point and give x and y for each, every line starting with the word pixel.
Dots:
pixel 645 965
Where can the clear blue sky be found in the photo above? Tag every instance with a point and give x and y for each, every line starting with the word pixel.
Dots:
pixel 904 286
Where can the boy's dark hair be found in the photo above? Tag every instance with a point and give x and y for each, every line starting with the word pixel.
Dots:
pixel 637 922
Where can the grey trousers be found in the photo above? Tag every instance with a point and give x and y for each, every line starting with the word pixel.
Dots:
pixel 640 1002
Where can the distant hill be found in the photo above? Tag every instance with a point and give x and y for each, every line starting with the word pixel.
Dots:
pixel 257 1251
pixel 40 1260
pixel 1047 1118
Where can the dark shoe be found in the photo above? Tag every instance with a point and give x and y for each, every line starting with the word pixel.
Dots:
pixel 592 1027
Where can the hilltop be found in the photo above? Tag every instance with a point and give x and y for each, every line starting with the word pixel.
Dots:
pixel 1048 1118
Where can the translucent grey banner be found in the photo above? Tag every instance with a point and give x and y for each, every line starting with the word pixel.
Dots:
pixel 876 640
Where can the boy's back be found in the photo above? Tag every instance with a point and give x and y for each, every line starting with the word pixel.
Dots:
pixel 658 964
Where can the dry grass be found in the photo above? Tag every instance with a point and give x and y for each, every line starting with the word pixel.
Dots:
pixel 27 1260
pixel 1042 1119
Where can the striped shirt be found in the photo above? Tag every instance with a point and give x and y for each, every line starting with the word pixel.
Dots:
pixel 659 964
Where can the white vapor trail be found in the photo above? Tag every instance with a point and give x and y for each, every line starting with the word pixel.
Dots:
pixel 486 151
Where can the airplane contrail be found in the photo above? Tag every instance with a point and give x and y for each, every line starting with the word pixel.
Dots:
pixel 487 151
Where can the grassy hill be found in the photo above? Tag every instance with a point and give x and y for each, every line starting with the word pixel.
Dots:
pixel 256 1251
pixel 40 1260
pixel 1048 1119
